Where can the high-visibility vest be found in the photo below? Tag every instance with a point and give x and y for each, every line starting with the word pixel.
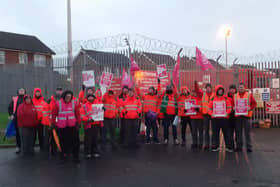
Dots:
pixel 181 105
pixel 205 102
pixel 46 115
pixel 246 95
pixel 171 106
pixel 39 107
pixel 131 108
pixel 150 103
pixel 15 100
pixel 66 114
pixel 111 108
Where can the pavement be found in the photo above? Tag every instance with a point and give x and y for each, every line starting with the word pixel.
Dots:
pixel 151 165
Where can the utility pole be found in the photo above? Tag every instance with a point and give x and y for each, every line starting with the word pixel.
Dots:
pixel 69 33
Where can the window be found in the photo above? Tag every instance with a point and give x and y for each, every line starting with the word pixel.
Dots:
pixel 40 60
pixel 23 58
pixel 2 57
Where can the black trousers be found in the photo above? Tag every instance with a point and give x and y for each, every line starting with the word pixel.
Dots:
pixel 40 132
pixel 91 139
pixel 109 127
pixel 18 139
pixel 27 140
pixel 217 125
pixel 122 130
pixel 243 123
pixel 69 141
pixel 130 131
pixel 184 122
pixel 231 123
pixel 197 131
pixel 206 129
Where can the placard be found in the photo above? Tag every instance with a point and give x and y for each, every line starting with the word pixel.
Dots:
pixel 106 79
pixel 161 71
pixel 97 112
pixel 88 78
pixel 190 107
pixel 275 83
pixel 272 107
pixel 219 109
pixel 241 107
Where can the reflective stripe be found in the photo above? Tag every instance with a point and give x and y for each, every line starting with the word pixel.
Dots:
pixel 152 101
pixel 61 118
pixel 72 117
pixel 131 106
pixel 131 109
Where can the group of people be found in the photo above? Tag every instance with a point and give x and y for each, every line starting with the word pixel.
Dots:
pixel 64 114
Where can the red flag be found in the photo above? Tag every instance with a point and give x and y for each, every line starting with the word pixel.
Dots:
pixel 176 71
pixel 126 81
pixel 202 61
pixel 133 66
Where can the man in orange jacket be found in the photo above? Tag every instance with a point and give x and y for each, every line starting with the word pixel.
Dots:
pixel 121 99
pixel 150 101
pixel 185 119
pixel 220 109
pixel 40 105
pixel 92 128
pixel 131 110
pixel 110 116
pixel 242 121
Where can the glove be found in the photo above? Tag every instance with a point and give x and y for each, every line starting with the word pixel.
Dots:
pixel 158 80
pixel 12 117
pixel 197 109
pixel 185 110
pixel 104 108
pixel 90 120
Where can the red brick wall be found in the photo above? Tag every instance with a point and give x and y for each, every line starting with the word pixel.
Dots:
pixel 30 57
pixel 11 57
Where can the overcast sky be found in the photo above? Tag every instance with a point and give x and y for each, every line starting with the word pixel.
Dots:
pixel 255 23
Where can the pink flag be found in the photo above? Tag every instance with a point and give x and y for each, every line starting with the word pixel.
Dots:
pixel 202 61
pixel 133 66
pixel 126 81
pixel 176 71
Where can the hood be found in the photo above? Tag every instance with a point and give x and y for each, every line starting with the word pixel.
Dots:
pixel 184 88
pixel 35 90
pixel 217 88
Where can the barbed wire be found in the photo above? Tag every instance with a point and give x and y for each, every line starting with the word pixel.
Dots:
pixel 143 43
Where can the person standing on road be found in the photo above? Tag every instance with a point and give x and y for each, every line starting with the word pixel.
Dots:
pixel 12 110
pixel 122 98
pixel 39 103
pixel 232 131
pixel 131 111
pixel 66 118
pixel 27 122
pixel 220 122
pixel 92 128
pixel 242 121
pixel 185 119
pixel 206 98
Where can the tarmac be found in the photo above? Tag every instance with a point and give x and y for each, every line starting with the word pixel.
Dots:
pixel 151 165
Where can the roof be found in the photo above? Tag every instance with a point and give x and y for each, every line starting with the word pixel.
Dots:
pixel 243 66
pixel 23 42
pixel 104 58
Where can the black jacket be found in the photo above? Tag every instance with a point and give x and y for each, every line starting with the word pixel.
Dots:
pixel 11 106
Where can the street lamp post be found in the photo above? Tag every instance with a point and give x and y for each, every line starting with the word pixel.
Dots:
pixel 227 33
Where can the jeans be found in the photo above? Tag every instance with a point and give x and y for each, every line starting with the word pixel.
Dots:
pixel 206 129
pixel 217 125
pixel 243 122
pixel 197 131
pixel 184 122
pixel 151 124
pixel 167 121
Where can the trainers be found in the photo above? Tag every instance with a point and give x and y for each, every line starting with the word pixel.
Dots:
pixel 88 156
pixel 156 142
pixel 176 142
pixel 96 155
pixel 183 144
pixel 249 150
pixel 166 142
pixel 17 150
pixel 229 150
pixel 148 142
pixel 216 149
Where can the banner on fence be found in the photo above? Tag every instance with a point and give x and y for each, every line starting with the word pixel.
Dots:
pixel 190 107
pixel 261 95
pixel 88 78
pixel 97 112
pixel 272 107
pixel 219 109
pixel 275 83
pixel 162 71
pixel 241 107
pixel 106 79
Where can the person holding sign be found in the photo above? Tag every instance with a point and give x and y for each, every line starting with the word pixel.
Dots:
pixel 182 101
pixel 219 109
pixel 244 105
pixel 132 110
pixel 66 117
pixel 91 126
pixel 196 121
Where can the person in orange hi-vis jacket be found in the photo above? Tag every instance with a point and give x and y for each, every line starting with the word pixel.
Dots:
pixel 219 109
pixel 40 105
pixel 206 97
pixel 92 128
pixel 122 97
pixel 110 116
pixel 132 110
pixel 185 119
pixel 243 121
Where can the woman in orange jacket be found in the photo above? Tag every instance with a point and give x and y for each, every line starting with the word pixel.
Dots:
pixel 131 110
pixel 220 109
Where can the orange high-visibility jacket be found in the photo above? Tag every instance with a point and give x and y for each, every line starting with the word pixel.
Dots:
pixel 198 103
pixel 150 103
pixel 205 102
pixel 181 100
pixel 46 115
pixel 131 108
pixel 111 106
pixel 39 103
